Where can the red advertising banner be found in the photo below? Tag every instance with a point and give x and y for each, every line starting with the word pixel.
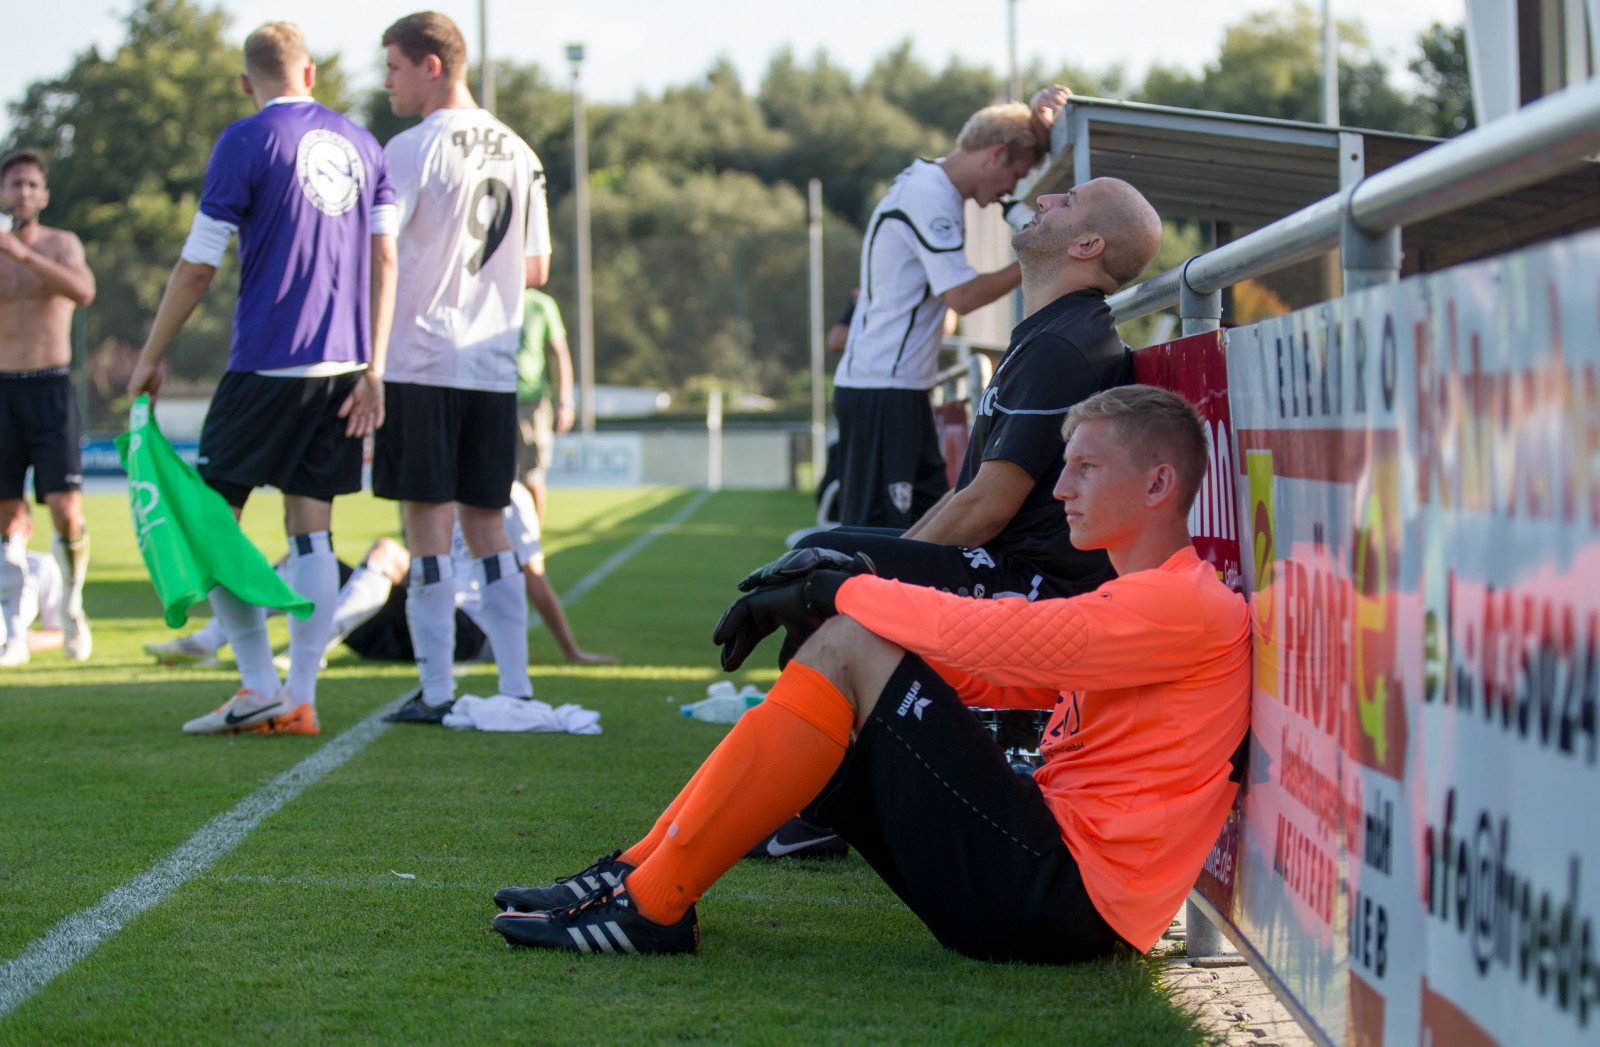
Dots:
pixel 1197 367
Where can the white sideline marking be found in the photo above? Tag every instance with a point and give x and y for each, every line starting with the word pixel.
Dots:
pixel 622 556
pixel 78 935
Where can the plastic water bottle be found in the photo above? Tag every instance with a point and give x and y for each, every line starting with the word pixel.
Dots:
pixel 722 703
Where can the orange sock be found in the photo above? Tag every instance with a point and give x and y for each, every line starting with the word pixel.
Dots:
pixel 775 760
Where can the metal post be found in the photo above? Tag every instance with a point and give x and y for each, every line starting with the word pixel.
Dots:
pixel 1330 67
pixel 485 67
pixel 1198 311
pixel 580 196
pixel 819 420
pixel 1367 259
pixel 714 439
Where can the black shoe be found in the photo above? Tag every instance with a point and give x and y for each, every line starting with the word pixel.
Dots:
pixel 607 922
pixel 798 838
pixel 418 711
pixel 606 872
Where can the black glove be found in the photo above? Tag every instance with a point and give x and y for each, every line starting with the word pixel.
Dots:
pixel 799 606
pixel 797 563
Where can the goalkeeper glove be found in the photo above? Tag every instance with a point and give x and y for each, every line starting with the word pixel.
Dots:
pixel 800 606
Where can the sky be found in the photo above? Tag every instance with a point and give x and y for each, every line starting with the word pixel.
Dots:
pixel 645 45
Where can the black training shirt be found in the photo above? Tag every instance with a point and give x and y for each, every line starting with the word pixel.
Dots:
pixel 1064 353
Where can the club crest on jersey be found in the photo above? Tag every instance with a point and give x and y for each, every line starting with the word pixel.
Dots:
pixel 330 172
pixel 900 496
pixel 913 702
pixel 491 141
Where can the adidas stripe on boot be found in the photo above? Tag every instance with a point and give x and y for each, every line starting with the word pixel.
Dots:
pixel 606 923
pixel 607 871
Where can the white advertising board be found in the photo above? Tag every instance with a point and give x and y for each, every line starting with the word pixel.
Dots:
pixel 1419 499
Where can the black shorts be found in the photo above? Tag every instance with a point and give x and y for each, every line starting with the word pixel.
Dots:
pixel 40 426
pixel 280 432
pixel 891 468
pixel 976 572
pixel 446 445
pixel 386 636
pixel 967 843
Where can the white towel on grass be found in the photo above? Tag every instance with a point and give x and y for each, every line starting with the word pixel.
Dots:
pixel 504 713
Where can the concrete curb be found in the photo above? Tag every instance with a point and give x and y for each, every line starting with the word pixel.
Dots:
pixel 1226 996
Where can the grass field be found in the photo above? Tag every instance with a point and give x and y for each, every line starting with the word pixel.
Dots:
pixel 305 933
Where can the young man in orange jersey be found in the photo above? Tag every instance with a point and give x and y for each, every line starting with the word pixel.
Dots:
pixel 1149 680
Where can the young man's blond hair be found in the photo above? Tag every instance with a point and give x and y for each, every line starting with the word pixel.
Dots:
pixel 1156 426
pixel 273 50
pixel 1010 124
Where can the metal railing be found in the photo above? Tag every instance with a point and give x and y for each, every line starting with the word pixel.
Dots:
pixel 1542 138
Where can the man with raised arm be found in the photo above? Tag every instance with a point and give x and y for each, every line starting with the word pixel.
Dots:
pixel 998 533
pixel 474 233
pixel 307 192
pixel 1148 680
pixel 913 268
pixel 43 278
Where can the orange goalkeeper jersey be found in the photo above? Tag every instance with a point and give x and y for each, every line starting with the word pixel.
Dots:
pixel 1150 678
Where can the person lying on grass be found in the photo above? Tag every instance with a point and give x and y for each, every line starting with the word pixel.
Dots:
pixel 1148 677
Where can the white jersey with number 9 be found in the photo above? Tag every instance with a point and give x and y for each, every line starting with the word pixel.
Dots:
pixel 471 200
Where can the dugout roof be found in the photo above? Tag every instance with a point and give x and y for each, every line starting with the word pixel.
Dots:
pixel 1244 172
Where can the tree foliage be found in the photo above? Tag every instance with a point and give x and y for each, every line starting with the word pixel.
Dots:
pixel 1270 65
pixel 703 277
pixel 129 135
pixel 1446 101
pixel 698 192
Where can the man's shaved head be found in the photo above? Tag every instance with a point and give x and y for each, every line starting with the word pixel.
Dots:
pixel 1131 227
pixel 1105 208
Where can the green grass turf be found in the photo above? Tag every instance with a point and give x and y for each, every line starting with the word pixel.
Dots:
pixel 305 934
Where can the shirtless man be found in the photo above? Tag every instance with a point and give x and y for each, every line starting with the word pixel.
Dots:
pixel 43 277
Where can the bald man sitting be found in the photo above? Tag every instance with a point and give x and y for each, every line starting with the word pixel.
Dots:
pixel 999 532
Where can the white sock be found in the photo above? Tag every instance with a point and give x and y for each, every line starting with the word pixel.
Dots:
pixel 503 613
pixel 14 581
pixel 246 626
pixel 212 636
pixel 362 597
pixel 313 573
pixel 73 558
pixel 431 615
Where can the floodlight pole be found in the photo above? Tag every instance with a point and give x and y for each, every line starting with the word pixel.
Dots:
pixel 580 193
pixel 819 419
pixel 485 67
pixel 1013 85
pixel 1330 67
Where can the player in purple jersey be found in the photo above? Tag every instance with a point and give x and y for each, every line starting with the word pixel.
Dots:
pixel 307 192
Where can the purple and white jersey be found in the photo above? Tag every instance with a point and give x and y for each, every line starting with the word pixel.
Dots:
pixel 299 182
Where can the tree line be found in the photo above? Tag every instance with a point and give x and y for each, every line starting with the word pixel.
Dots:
pixel 697 193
